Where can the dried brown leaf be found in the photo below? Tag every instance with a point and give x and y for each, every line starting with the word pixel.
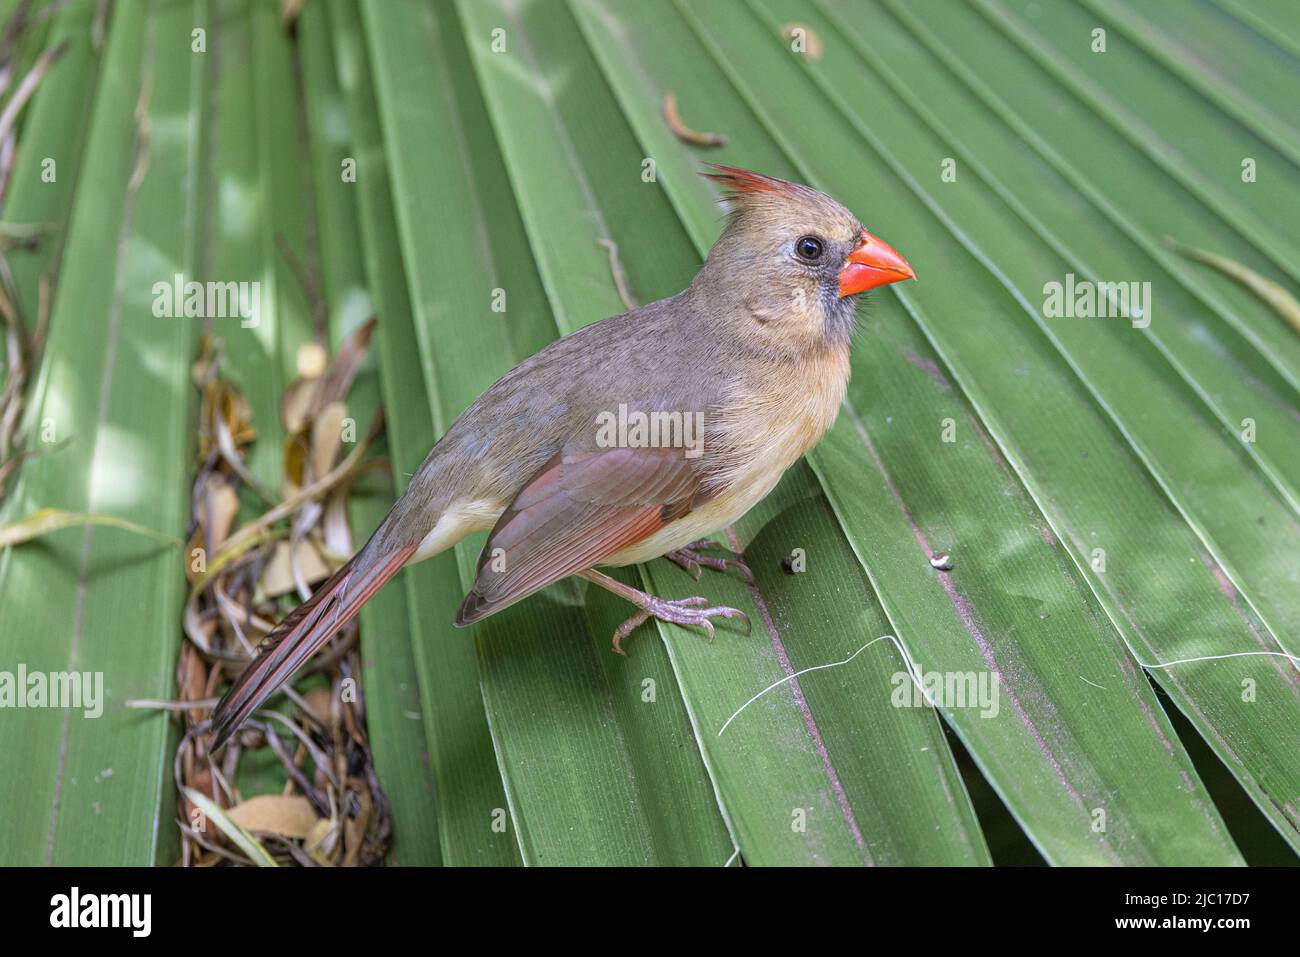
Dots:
pixel 291 816
pixel 278 579
pixel 1273 294
pixel 684 132
pixel 347 362
pixel 297 403
pixel 327 438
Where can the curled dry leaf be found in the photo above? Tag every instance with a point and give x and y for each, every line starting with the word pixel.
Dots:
pixel 1273 294
pixel 684 132
pixel 222 402
pixel 285 815
pixel 297 402
pixel 351 354
pixel 222 507
pixel 278 578
pixel 335 529
pixel 215 511
pixel 620 277
pixel 327 438
pixel 322 841
pixel 192 678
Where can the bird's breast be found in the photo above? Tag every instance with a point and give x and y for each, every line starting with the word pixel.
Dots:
pixel 766 426
pixel 779 415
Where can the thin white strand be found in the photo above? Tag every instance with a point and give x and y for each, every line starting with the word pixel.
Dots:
pixel 911 671
pixel 1235 654
pixel 833 664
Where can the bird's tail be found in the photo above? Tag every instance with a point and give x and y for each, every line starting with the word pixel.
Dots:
pixel 303 632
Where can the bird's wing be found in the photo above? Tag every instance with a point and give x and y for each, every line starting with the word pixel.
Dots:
pixel 580 508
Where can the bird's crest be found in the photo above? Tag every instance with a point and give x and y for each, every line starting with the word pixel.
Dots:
pixel 755 199
pixel 745 182
pixel 749 194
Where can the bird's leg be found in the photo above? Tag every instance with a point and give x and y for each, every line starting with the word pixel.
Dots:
pixel 691 559
pixel 684 611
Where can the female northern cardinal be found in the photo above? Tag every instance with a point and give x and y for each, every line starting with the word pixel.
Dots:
pixel 634 437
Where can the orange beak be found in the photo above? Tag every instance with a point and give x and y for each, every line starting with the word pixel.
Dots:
pixel 872 263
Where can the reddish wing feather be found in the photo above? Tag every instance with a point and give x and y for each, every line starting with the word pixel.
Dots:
pixel 578 510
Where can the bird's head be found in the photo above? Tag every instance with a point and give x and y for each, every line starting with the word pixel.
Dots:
pixel 797 258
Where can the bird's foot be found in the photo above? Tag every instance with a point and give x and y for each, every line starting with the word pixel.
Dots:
pixel 691 559
pixel 684 611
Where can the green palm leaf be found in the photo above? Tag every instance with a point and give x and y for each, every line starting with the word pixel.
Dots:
pixel 1082 521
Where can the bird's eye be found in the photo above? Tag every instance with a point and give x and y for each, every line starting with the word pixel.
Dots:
pixel 809 248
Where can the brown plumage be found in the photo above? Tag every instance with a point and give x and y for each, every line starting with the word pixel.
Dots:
pixel 755 350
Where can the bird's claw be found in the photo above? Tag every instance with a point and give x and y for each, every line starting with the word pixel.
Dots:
pixel 690 559
pixel 683 611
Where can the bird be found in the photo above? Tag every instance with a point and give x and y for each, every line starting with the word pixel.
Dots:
pixel 633 438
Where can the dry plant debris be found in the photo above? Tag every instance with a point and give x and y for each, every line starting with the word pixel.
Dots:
pixel 22 341
pixel 1271 293
pixel 331 810
pixel 684 132
pixel 620 277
